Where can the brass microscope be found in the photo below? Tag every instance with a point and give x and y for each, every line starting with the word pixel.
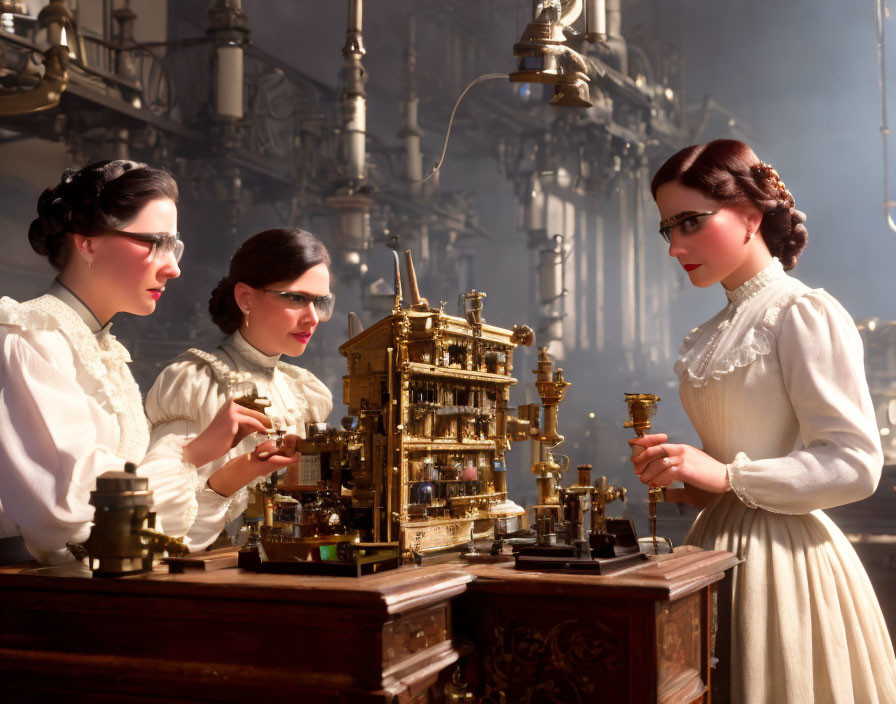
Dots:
pixel 640 408
pixel 561 540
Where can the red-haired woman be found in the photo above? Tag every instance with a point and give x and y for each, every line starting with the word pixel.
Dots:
pixel 775 386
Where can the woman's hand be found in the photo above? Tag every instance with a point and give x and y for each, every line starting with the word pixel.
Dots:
pixel 660 463
pixel 230 425
pixel 267 457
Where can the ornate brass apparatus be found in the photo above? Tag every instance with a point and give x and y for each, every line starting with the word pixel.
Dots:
pixel 640 408
pixel 420 459
pixel 430 393
pixel 562 540
pixel 122 540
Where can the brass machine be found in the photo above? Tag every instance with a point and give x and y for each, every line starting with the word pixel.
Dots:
pixel 640 408
pixel 561 540
pixel 123 540
pixel 418 466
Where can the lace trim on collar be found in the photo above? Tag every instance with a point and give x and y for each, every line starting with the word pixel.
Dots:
pixel 100 364
pixel 238 344
pixel 738 335
pixel 773 272
pixel 70 298
pixel 237 383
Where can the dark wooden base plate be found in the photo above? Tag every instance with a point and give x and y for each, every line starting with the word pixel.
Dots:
pixel 254 559
pixel 568 563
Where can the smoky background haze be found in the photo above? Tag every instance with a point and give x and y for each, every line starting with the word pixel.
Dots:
pixel 800 77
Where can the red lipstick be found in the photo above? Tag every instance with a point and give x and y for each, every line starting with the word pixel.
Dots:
pixel 156 293
pixel 302 337
pixel 690 267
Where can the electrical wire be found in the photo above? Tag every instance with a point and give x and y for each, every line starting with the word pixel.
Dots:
pixel 483 77
pixel 880 13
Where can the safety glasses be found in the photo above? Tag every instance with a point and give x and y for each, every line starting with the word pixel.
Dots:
pixel 161 243
pixel 322 304
pixel 688 222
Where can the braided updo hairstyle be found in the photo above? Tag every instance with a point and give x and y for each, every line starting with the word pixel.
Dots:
pixel 104 195
pixel 263 259
pixel 727 171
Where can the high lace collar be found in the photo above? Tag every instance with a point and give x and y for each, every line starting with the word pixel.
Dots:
pixel 238 343
pixel 70 298
pixel 751 287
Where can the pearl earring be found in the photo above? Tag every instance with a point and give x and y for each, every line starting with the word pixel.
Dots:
pixel 247 320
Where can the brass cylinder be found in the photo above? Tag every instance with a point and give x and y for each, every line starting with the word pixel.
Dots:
pixel 546 490
pixel 584 472
pixel 550 425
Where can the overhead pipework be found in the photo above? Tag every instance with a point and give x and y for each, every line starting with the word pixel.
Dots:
pixel 229 31
pixel 543 55
pixel 351 194
pixel 410 132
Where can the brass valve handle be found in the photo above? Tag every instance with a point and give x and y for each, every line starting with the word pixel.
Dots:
pixel 159 542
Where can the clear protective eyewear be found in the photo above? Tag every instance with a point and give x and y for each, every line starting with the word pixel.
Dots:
pixel 689 223
pixel 324 305
pixel 162 243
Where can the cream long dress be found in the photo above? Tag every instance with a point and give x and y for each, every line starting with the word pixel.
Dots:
pixel 69 411
pixel 775 387
pixel 183 401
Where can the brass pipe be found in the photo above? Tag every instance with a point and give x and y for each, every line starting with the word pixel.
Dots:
pixel 417 301
pixel 390 443
pixel 550 434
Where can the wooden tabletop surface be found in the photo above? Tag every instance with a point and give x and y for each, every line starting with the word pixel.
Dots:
pixel 664 577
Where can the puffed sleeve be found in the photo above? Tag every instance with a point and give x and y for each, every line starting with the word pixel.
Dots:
pixel 180 404
pixel 839 458
pixel 54 441
pixel 318 396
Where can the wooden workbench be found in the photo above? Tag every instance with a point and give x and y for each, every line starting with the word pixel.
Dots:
pixel 234 636
pixel 639 636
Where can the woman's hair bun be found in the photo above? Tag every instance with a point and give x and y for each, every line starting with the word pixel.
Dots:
pixel 47 232
pixel 223 308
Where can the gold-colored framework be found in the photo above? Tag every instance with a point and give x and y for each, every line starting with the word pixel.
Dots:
pixel 431 391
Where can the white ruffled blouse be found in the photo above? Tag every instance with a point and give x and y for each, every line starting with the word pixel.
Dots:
pixel 69 411
pixel 794 417
pixel 775 387
pixel 184 400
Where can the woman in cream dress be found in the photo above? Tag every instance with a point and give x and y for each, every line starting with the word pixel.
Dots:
pixel 69 406
pixel 270 303
pixel 775 387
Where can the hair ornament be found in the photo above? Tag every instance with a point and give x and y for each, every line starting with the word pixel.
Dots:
pixel 766 172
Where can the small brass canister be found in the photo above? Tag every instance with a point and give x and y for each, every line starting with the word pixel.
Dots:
pixel 116 546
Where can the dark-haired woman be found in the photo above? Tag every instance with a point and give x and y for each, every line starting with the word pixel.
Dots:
pixel 270 303
pixel 775 387
pixel 69 407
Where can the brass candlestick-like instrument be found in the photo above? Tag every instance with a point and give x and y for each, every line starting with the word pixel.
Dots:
pixel 562 540
pixel 640 408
